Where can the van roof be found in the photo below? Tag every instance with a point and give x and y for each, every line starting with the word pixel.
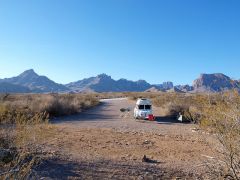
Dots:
pixel 143 101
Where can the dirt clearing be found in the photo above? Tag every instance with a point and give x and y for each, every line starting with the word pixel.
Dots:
pixel 104 143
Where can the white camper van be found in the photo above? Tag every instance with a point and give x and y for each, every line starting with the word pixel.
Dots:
pixel 143 109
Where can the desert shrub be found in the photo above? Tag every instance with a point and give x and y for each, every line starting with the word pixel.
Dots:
pixel 24 128
pixel 223 118
pixel 52 104
pixel 9 114
pixel 23 147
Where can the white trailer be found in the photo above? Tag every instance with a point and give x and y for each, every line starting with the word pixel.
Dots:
pixel 143 109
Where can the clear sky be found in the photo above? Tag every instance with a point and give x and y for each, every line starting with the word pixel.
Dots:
pixel 155 40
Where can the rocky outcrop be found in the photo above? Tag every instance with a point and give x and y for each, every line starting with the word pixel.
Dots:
pixel 214 83
pixel 185 88
pixel 164 86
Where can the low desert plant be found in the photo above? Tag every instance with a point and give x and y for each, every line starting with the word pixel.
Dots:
pixel 10 114
pixel 24 128
pixel 51 104
pixel 224 120
pixel 24 144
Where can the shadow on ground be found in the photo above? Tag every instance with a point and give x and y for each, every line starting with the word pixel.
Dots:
pixel 58 169
pixel 97 113
pixel 167 120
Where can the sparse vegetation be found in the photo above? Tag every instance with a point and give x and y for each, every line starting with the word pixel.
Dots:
pixel 218 113
pixel 24 128
pixel 24 125
pixel 223 117
pixel 43 105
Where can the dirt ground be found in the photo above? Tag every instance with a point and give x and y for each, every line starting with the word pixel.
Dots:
pixel 104 143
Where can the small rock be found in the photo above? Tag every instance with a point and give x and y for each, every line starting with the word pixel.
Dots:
pixel 148 160
pixel 5 156
pixel 146 142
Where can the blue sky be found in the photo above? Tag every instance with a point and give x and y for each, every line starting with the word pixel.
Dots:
pixel 155 40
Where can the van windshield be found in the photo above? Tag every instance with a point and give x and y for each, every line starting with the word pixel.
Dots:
pixel 141 107
pixel 147 107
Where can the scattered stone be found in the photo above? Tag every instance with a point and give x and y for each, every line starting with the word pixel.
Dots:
pixel 148 160
pixel 146 142
pixel 5 156
pixel 195 129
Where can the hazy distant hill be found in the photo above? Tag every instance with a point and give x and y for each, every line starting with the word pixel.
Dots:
pixel 185 88
pixel 35 83
pixel 175 90
pixel 215 83
pixel 164 86
pixel 12 88
pixel 104 83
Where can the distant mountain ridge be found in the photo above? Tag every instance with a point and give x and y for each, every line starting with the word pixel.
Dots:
pixel 30 82
pixel 35 83
pixel 105 83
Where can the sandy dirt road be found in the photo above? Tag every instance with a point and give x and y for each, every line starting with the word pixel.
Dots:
pixel 103 143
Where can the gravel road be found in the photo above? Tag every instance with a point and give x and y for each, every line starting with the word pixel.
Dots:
pixel 104 143
pixel 108 115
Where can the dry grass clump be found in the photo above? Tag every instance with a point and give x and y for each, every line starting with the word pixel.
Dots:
pixel 223 117
pixel 51 104
pixel 22 143
pixel 23 148
pixel 58 105
pixel 10 114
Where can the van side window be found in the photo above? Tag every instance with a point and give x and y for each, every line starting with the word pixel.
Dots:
pixel 148 107
pixel 141 107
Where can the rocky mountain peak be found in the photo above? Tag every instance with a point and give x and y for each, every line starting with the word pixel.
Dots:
pixel 214 82
pixel 28 73
pixel 104 76
pixel 39 84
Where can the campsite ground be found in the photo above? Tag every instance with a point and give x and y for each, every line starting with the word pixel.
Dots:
pixel 104 143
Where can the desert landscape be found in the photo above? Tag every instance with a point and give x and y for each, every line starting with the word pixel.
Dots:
pixel 119 90
pixel 44 136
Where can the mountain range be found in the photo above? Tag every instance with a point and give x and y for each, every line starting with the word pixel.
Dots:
pixel 104 83
pixel 30 82
pixel 34 83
